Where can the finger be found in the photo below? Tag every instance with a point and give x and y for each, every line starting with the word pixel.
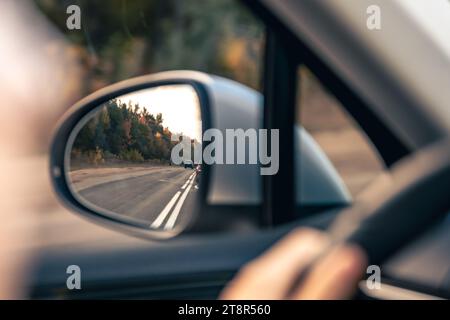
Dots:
pixel 336 276
pixel 272 275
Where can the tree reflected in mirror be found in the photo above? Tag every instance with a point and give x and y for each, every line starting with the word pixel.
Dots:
pixel 120 161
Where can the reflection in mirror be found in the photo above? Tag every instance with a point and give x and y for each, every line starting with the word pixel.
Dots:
pixel 120 163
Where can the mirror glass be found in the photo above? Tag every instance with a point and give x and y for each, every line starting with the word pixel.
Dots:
pixel 120 160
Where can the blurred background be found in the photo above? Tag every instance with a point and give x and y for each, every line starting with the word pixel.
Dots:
pixel 47 67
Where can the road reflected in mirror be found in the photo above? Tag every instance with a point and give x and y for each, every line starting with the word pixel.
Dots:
pixel 120 160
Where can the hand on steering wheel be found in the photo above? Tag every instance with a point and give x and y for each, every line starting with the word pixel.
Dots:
pixel 392 211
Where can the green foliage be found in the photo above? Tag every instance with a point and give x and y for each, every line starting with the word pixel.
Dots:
pixel 131 155
pixel 125 38
pixel 125 132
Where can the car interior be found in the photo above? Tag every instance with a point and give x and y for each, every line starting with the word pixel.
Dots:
pixel 397 211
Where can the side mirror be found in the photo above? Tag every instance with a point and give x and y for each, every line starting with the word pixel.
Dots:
pixel 127 157
pixel 113 160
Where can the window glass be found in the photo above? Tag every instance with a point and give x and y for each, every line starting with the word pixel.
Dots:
pixel 338 135
pixel 120 39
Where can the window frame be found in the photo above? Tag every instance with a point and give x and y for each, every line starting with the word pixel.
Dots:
pixel 284 53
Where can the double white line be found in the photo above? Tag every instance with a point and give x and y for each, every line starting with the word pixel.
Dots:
pixel 173 217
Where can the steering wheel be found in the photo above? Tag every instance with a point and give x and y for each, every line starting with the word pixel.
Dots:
pixel 400 206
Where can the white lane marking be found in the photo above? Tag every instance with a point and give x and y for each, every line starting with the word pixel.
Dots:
pixel 160 219
pixel 173 217
pixel 187 182
pixel 185 185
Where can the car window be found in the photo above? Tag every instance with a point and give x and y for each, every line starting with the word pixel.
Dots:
pixel 341 139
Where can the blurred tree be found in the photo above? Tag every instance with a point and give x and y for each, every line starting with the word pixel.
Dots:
pixel 125 38
pixel 127 132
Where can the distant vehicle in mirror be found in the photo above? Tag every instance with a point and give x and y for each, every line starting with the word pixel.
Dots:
pixel 198 171
pixel 188 164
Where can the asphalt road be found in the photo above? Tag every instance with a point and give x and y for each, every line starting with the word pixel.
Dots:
pixel 158 196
